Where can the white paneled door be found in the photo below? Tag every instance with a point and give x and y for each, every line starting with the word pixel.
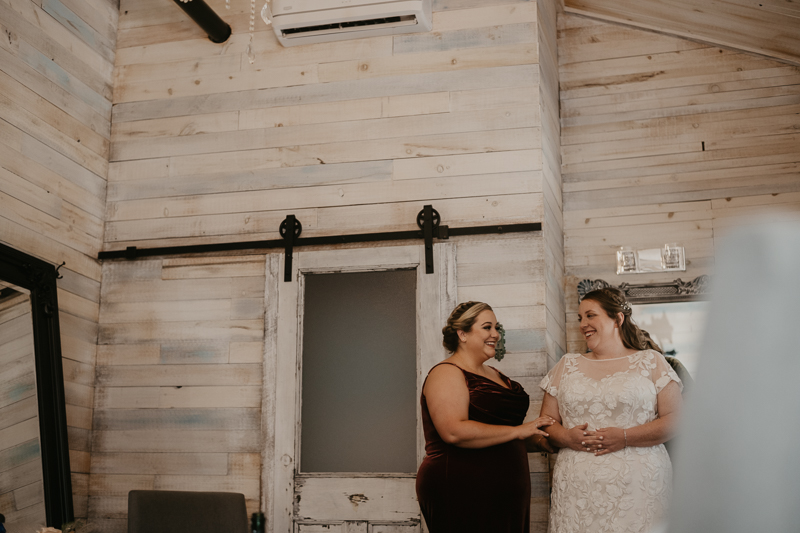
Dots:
pixel 344 460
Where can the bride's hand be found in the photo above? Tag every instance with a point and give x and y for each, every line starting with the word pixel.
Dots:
pixel 606 440
pixel 576 437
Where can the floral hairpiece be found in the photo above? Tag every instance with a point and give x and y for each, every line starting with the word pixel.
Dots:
pixel 500 347
pixel 626 306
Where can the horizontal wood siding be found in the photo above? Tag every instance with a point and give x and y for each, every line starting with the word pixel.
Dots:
pixel 178 382
pixel 767 27
pixel 553 202
pixel 666 140
pixel 56 74
pixel 21 493
pixel 552 269
pixel 351 136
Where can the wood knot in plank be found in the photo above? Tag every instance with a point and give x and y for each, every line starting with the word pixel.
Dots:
pixel 355 499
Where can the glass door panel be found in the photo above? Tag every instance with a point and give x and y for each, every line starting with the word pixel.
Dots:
pixel 359 373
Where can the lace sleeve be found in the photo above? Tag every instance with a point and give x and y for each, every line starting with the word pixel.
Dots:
pixel 663 373
pixel 551 381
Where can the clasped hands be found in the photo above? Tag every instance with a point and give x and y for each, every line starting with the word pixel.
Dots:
pixel 600 441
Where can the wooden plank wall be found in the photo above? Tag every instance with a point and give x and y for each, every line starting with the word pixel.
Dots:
pixel 21 492
pixel 178 403
pixel 767 27
pixel 667 140
pixel 553 225
pixel 552 238
pixel 56 66
pixel 352 136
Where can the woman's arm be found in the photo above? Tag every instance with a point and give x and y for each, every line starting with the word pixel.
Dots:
pixel 659 431
pixel 539 443
pixel 560 436
pixel 447 397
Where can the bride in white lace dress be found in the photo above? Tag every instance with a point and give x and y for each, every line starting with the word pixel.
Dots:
pixel 615 406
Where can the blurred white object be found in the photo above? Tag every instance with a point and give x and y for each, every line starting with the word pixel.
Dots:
pixel 737 460
pixel 659 528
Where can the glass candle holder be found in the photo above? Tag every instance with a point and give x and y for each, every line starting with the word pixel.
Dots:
pixel 672 257
pixel 626 260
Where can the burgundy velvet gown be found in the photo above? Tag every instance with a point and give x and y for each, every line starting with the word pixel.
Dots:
pixel 483 490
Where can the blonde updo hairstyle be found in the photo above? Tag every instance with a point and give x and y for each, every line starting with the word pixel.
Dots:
pixel 461 319
pixel 613 302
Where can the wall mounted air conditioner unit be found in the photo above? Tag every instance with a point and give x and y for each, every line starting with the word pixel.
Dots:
pixel 315 21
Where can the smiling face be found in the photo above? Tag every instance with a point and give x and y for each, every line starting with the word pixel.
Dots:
pixel 482 336
pixel 598 328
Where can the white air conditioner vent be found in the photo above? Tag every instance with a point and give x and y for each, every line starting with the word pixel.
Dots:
pixel 314 21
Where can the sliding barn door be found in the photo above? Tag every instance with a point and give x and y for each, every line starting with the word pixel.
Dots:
pixel 355 333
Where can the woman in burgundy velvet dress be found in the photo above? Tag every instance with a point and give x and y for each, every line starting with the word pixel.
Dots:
pixel 475 476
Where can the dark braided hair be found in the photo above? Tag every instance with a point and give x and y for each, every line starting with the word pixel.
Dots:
pixel 461 319
pixel 613 302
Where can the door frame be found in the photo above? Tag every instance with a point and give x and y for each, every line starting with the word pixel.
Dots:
pixel 436 297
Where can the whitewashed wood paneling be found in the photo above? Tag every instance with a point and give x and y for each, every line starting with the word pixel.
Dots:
pixel 351 137
pixel 666 140
pixel 56 66
pixel 768 28
pixel 553 230
pixel 178 380
pixel 20 456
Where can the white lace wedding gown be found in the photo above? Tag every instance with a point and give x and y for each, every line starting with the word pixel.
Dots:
pixel 624 491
